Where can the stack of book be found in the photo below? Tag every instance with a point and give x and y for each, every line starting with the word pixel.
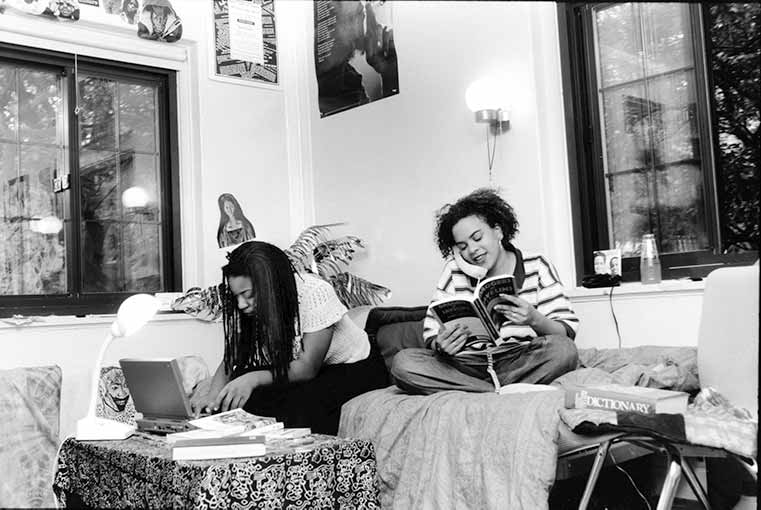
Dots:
pixel 226 447
pixel 231 434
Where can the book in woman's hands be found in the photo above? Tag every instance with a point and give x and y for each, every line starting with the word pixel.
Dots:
pixel 477 312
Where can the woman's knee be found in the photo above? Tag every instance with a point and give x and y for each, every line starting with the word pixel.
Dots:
pixel 404 364
pixel 565 355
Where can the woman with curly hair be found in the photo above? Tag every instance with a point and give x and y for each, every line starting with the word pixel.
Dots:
pixel 537 326
pixel 291 351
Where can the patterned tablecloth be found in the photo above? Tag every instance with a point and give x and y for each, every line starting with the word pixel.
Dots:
pixel 139 472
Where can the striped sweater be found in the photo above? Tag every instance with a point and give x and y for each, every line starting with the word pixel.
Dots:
pixel 538 283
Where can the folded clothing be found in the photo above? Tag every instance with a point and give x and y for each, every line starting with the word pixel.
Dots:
pixel 709 421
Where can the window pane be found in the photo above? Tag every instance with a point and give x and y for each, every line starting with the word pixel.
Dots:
pixel 32 254
pixel 121 189
pixel 630 210
pixel 681 214
pixel 8 103
pixel 98 184
pixel 137 117
pixel 101 254
pixel 97 119
pixel 667 37
pixel 627 137
pixel 674 117
pixel 40 99
pixel 143 263
pixel 652 143
pixel 618 44
pixel 734 66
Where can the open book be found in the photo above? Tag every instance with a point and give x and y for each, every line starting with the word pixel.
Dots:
pixel 477 312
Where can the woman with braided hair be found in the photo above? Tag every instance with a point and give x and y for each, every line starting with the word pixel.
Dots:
pixel 291 351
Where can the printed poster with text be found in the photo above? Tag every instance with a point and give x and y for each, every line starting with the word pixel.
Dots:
pixel 355 55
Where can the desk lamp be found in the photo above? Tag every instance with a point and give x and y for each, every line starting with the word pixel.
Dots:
pixel 133 313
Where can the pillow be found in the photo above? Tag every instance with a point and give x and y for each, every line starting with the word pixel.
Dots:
pixel 393 328
pixel 392 338
pixel 30 402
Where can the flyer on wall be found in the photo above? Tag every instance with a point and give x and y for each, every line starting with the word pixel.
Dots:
pixel 244 39
pixel 355 54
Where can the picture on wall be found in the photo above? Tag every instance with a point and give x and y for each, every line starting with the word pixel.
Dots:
pixel 234 228
pixel 245 50
pixel 354 52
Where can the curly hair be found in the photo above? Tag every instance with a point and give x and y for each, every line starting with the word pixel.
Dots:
pixel 484 203
pixel 265 339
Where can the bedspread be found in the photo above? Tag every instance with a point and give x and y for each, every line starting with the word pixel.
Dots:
pixel 457 450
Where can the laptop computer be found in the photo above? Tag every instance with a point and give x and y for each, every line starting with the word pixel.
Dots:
pixel 156 389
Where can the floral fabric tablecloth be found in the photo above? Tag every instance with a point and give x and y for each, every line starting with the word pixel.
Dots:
pixel 139 472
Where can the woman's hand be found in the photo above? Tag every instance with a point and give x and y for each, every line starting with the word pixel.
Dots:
pixel 518 311
pixel 202 401
pixel 236 393
pixel 451 340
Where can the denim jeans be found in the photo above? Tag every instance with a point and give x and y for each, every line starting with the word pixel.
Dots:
pixel 540 361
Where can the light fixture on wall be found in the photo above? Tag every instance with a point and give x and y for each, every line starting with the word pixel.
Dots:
pixel 133 313
pixel 488 99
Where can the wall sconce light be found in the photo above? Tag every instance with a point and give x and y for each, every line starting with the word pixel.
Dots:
pixel 488 99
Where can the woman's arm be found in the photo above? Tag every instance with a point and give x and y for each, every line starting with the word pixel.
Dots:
pixel 315 345
pixel 520 311
pixel 199 403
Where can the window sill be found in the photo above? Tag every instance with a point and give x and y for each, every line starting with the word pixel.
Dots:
pixel 88 320
pixel 638 290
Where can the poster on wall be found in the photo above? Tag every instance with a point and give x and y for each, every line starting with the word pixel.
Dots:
pixel 245 42
pixel 234 228
pixel 354 53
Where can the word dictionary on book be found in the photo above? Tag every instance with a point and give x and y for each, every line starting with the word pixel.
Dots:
pixel 617 397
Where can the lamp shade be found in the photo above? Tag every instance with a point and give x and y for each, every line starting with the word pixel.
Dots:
pixel 487 94
pixel 133 313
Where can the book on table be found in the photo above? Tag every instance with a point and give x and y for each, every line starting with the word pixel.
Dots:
pixel 233 421
pixel 618 397
pixel 476 312
pixel 227 447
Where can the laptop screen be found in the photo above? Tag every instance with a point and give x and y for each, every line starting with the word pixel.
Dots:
pixel 156 388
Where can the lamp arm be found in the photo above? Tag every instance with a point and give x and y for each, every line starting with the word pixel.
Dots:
pixel 96 375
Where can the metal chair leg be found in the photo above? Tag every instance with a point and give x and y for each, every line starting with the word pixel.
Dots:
pixel 694 483
pixel 670 485
pixel 602 452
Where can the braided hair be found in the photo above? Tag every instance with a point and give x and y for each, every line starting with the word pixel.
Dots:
pixel 483 202
pixel 263 340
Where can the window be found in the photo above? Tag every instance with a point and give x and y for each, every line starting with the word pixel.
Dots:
pixel 662 111
pixel 88 180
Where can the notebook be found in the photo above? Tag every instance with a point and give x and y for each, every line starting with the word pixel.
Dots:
pixel 156 389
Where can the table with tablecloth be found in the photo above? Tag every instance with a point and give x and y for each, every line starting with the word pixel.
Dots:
pixel 329 472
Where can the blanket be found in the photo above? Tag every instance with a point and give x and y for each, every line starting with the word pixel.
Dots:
pixel 454 450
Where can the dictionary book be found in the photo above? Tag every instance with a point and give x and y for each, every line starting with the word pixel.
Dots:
pixel 617 397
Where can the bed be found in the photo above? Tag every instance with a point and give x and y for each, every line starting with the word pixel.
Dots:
pixel 464 450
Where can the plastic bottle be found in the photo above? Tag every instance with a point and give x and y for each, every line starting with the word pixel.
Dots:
pixel 650 263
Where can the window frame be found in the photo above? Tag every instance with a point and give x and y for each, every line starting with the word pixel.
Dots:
pixel 74 301
pixel 585 152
